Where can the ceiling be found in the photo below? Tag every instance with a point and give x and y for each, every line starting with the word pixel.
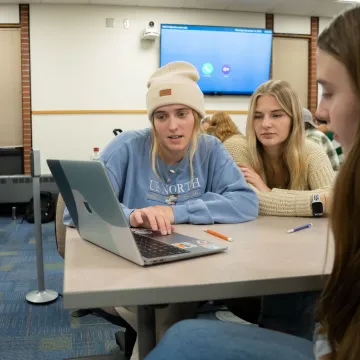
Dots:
pixel 326 8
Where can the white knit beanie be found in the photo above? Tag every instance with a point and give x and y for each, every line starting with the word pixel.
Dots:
pixel 175 83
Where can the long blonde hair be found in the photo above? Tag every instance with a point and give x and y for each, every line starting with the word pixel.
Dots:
pixel 192 148
pixel 293 152
pixel 222 126
pixel 339 309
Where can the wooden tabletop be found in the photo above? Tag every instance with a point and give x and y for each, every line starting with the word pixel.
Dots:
pixel 263 259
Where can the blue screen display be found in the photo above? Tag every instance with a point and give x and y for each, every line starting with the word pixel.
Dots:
pixel 229 60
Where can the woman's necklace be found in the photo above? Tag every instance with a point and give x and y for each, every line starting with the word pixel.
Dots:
pixel 170 173
pixel 170 197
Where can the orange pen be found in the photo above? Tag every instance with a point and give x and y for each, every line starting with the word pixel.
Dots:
pixel 215 233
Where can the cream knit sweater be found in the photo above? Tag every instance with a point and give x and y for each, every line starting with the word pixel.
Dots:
pixel 279 202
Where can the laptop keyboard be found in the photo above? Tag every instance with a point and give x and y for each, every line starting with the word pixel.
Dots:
pixel 151 248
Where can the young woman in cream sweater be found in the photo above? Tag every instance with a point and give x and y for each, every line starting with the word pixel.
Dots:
pixel 285 169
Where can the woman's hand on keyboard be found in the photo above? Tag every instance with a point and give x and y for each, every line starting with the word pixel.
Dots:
pixel 156 218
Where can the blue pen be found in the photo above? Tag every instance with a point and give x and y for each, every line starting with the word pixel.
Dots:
pixel 299 228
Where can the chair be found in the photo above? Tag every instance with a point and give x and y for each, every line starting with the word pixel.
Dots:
pixel 60 227
pixel 125 339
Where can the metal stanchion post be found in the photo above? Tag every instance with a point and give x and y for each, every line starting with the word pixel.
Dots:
pixel 41 295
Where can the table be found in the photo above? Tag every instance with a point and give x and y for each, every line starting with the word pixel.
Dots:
pixel 262 260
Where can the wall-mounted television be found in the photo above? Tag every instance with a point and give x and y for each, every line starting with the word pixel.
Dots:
pixel 230 60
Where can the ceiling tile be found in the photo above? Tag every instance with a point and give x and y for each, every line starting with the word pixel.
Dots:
pixel 160 3
pixel 326 8
pixel 309 7
pixel 207 4
pixel 72 2
pixel 18 1
pixel 254 6
pixel 112 2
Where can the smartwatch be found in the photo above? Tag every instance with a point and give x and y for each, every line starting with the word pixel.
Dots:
pixel 317 206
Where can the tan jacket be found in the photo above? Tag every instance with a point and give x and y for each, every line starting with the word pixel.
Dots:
pixel 319 174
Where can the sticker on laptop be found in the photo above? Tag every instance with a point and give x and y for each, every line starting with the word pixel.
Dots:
pixel 207 244
pixel 210 246
pixel 203 242
pixel 184 245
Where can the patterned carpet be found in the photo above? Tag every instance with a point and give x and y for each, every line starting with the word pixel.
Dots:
pixel 41 332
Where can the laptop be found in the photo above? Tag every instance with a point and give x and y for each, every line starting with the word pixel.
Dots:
pixel 99 218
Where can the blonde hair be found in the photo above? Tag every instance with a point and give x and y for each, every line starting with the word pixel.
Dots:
pixel 222 126
pixel 193 144
pixel 339 309
pixel 293 151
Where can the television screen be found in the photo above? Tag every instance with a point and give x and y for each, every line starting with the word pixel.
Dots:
pixel 229 60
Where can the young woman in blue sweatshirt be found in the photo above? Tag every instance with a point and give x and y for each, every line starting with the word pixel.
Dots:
pixel 171 174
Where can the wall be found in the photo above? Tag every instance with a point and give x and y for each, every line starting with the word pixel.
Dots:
pixel 79 64
pixel 11 134
pixel 9 14
pixel 295 52
pixel 287 24
pixel 323 24
pixel 17 17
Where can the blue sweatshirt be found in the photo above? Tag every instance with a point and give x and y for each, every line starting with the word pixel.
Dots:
pixel 217 192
